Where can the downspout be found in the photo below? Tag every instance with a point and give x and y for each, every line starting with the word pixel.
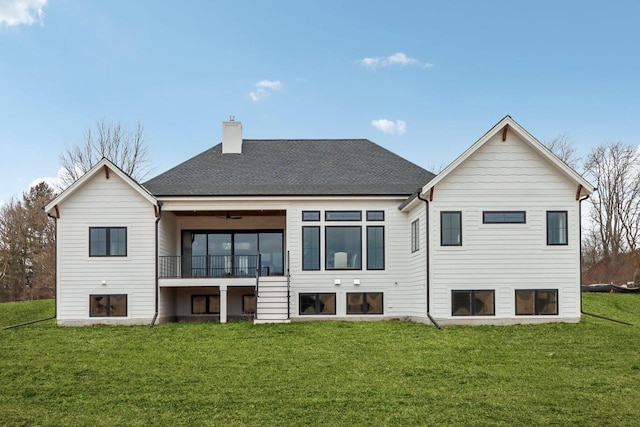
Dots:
pixel 55 282
pixel 581 310
pixel 155 314
pixel 426 204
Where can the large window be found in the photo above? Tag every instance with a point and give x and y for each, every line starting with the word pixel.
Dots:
pixel 232 253
pixel 365 303
pixel 311 248
pixel 205 304
pixel 343 248
pixel 451 228
pixel 473 303
pixel 536 302
pixel 317 304
pixel 557 230
pixel 415 235
pixel 108 305
pixel 107 241
pixel 375 247
pixel 504 217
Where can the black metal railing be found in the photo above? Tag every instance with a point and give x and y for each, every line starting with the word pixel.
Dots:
pixel 210 266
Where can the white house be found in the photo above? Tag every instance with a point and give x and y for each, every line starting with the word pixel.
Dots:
pixel 282 230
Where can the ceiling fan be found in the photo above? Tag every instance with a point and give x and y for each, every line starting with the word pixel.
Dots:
pixel 229 215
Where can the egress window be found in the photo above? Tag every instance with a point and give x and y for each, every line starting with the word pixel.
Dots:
pixel 108 305
pixel 473 303
pixel 107 241
pixel 317 304
pixel 365 303
pixel 536 302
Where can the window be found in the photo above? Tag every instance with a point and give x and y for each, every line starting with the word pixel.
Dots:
pixel 315 304
pixel 249 304
pixel 107 241
pixel 375 215
pixel 311 248
pixel 205 304
pixel 343 248
pixel 108 305
pixel 365 303
pixel 311 215
pixel 557 230
pixel 472 303
pixel 375 247
pixel 415 235
pixel 504 217
pixel 536 302
pixel 343 216
pixel 451 228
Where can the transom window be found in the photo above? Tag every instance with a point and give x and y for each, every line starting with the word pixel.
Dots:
pixel 107 241
pixel 557 229
pixel 343 215
pixel 365 303
pixel 451 228
pixel 536 302
pixel 375 215
pixel 473 303
pixel 311 215
pixel 504 217
pixel 317 304
pixel 114 305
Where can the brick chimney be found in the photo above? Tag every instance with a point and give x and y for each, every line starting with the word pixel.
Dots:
pixel 231 136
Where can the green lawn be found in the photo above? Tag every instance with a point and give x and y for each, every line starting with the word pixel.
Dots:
pixel 324 373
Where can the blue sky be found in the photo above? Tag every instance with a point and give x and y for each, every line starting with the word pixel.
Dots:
pixel 424 79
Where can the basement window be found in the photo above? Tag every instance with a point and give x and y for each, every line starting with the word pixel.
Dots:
pixel 365 303
pixel 108 305
pixel 473 303
pixel 536 302
pixel 317 304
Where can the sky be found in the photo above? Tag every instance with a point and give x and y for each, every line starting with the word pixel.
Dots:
pixel 424 79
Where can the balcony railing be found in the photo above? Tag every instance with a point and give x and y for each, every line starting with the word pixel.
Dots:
pixel 210 266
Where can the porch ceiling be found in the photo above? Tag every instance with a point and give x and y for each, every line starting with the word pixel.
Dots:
pixel 231 214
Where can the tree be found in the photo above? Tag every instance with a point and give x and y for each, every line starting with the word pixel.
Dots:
pixel 27 247
pixel 615 169
pixel 563 147
pixel 128 150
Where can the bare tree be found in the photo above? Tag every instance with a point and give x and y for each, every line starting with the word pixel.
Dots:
pixel 563 147
pixel 615 169
pixel 128 150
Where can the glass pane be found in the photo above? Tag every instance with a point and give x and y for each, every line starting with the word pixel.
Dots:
pixel 557 228
pixel 214 304
pixel 415 235
pixel 343 216
pixel 199 304
pixel 525 302
pixel 343 248
pixel 375 215
pixel 374 303
pixel 327 304
pixel 483 303
pixel 461 303
pixel 375 248
pixel 246 244
pixel 513 217
pixel 270 245
pixel 311 248
pixel 451 225
pixel 219 254
pixel 355 304
pixel 118 305
pixel 311 215
pixel 307 303
pixel 547 302
pixel 97 242
pixel 98 306
pixel 118 241
pixel 199 255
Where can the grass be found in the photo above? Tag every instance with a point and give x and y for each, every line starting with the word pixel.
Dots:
pixel 322 373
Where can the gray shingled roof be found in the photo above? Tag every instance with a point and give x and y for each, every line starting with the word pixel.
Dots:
pixel 293 167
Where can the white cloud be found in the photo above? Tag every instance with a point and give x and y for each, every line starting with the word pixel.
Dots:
pixel 55 182
pixel 17 12
pixel 399 127
pixel 264 88
pixel 397 58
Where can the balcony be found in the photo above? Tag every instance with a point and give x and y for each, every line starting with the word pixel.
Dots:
pixel 212 266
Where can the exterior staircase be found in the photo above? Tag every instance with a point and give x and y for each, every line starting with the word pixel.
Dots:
pixel 272 303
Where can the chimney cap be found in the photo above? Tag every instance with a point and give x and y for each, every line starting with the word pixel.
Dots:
pixel 232 118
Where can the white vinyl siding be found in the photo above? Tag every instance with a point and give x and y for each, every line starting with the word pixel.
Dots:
pixel 505 176
pixel 103 202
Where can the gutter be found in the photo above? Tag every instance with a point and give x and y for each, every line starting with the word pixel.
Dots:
pixel 155 314
pixel 426 202
pixel 55 283
pixel 581 309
